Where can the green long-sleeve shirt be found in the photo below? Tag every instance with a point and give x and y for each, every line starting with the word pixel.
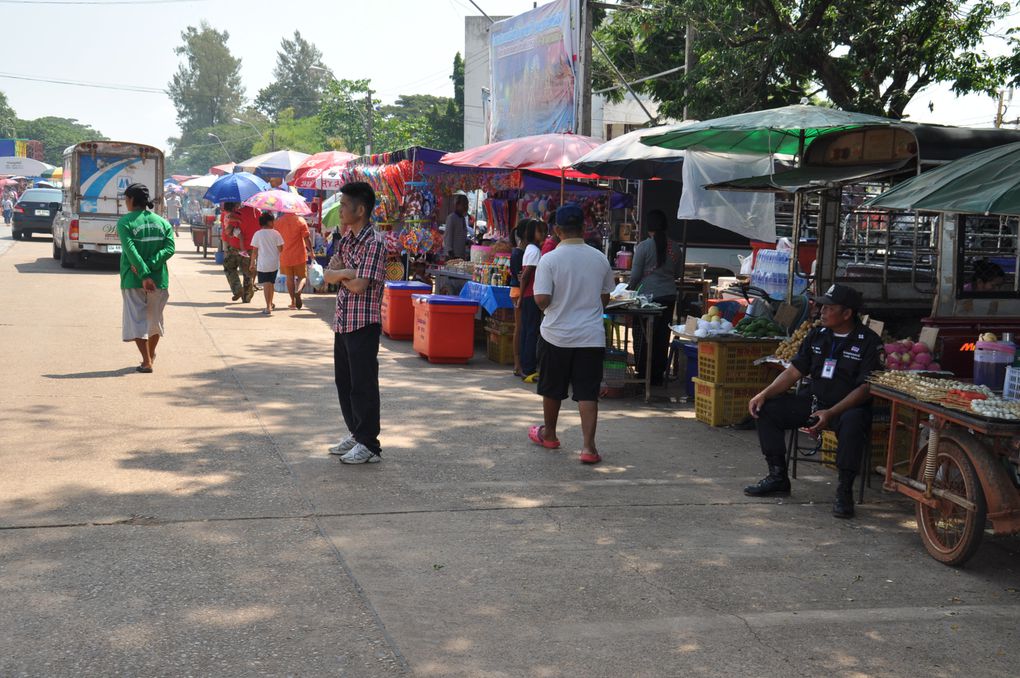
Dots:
pixel 147 241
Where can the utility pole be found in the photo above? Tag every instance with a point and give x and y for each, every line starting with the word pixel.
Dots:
pixel 1000 108
pixel 688 62
pixel 583 125
pixel 272 138
pixel 368 122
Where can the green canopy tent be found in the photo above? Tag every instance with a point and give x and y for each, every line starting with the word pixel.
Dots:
pixel 785 131
pixel 987 182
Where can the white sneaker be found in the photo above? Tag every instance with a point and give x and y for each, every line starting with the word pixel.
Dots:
pixel 361 455
pixel 344 446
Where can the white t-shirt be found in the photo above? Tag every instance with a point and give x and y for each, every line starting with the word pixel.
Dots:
pixel 575 276
pixel 268 240
pixel 531 255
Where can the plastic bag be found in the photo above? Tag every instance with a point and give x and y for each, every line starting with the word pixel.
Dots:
pixel 281 282
pixel 315 276
pixel 746 264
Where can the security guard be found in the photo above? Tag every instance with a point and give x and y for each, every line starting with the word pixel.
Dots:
pixel 838 356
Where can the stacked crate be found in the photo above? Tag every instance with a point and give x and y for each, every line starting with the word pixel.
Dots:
pixel 728 378
pixel 499 331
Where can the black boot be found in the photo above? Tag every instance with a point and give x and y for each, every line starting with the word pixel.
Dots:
pixel 776 482
pixel 843 507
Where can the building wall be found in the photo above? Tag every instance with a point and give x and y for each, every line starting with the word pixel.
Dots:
pixel 476 79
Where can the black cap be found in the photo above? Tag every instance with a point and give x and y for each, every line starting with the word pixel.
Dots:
pixel 139 194
pixel 841 295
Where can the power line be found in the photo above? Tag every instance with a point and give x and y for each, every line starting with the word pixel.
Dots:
pixel 79 83
pixel 96 2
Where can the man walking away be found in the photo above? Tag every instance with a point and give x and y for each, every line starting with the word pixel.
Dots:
pixel 173 212
pixel 572 286
pixel 8 209
pixel 297 245
pixel 359 268
pixel 147 242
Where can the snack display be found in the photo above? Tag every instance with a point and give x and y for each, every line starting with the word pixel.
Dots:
pixel 788 349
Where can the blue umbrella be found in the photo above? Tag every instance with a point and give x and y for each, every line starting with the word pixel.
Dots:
pixel 236 187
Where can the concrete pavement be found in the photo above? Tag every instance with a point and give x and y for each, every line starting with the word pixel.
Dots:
pixel 189 522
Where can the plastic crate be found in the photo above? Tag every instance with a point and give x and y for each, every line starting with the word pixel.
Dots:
pixel 492 324
pixel 879 447
pixel 732 362
pixel 614 373
pixel 500 348
pixel 1011 387
pixel 722 404
pixel 504 314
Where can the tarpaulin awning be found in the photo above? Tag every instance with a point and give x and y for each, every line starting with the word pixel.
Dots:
pixel 983 183
pixel 809 178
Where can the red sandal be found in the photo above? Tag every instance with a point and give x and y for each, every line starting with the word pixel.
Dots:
pixel 535 436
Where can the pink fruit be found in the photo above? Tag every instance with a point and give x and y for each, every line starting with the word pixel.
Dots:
pixel 907 343
pixel 923 358
pixel 919 348
pixel 934 367
pixel 892 348
pixel 905 358
pixel 916 366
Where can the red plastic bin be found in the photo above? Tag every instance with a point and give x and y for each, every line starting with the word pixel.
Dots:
pixel 444 328
pixel 397 310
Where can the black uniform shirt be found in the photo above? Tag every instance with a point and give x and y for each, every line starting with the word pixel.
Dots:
pixel 857 355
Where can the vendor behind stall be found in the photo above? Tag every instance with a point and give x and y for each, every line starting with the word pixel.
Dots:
pixel 657 262
pixel 455 239
pixel 838 357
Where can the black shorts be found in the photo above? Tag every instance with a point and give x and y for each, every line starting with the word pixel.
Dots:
pixel 269 277
pixel 576 369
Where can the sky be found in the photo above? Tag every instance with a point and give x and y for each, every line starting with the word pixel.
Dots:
pixel 403 46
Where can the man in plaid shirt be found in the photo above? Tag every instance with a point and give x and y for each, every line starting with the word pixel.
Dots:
pixel 359 268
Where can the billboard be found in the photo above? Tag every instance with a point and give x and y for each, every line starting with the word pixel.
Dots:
pixel 533 60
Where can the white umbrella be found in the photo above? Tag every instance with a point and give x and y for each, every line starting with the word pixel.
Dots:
pixel 26 166
pixel 273 165
pixel 626 157
pixel 204 181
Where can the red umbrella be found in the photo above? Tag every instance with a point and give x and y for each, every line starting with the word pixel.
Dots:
pixel 318 171
pixel 179 178
pixel 220 170
pixel 546 153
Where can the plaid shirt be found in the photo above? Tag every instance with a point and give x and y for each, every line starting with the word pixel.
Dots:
pixel 366 254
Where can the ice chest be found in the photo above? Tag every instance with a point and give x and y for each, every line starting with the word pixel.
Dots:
pixel 444 327
pixel 397 310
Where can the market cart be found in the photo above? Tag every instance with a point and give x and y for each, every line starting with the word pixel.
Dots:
pixel 966 473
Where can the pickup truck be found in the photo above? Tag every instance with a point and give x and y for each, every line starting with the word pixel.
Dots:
pixel 95 176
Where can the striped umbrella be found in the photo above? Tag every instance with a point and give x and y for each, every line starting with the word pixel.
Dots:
pixel 321 171
pixel 274 165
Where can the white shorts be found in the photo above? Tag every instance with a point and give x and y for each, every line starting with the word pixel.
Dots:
pixel 143 313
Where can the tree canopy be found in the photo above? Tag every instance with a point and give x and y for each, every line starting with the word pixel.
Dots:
pixel 56 134
pixel 870 56
pixel 300 77
pixel 7 116
pixel 207 88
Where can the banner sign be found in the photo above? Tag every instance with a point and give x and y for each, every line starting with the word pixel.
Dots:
pixel 532 58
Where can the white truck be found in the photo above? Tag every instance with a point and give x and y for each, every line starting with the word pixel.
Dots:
pixel 95 176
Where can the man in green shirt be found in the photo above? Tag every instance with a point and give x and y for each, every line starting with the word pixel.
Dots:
pixel 147 242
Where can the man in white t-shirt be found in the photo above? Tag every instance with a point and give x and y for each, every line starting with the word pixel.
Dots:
pixel 572 286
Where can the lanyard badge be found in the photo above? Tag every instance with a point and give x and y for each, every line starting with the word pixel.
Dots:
pixel 829 368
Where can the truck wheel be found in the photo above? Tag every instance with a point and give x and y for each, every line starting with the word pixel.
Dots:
pixel 56 250
pixel 67 260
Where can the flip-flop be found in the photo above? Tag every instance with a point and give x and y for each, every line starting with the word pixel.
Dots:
pixel 143 370
pixel 297 300
pixel 531 378
pixel 535 436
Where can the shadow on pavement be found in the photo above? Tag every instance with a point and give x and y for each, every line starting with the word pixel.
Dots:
pixel 122 372
pixel 49 265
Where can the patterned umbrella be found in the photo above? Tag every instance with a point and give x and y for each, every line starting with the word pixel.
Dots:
pixel 56 174
pixel 275 200
pixel 320 171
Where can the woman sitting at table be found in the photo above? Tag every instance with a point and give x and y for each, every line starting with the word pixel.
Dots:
pixel 653 274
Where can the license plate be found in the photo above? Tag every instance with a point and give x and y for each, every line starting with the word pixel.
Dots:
pixel 42 213
pixel 113 249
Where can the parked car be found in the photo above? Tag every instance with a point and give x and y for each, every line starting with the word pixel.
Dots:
pixel 35 212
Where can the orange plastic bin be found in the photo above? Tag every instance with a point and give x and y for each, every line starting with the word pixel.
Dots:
pixel 397 310
pixel 444 328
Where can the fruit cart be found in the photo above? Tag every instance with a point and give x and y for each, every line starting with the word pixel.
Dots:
pixel 964 471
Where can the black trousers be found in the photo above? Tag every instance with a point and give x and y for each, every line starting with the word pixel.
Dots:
pixel 788 412
pixel 660 341
pixel 356 370
pixel 531 323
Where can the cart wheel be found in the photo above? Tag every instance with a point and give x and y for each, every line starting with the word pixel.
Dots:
pixel 950 532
